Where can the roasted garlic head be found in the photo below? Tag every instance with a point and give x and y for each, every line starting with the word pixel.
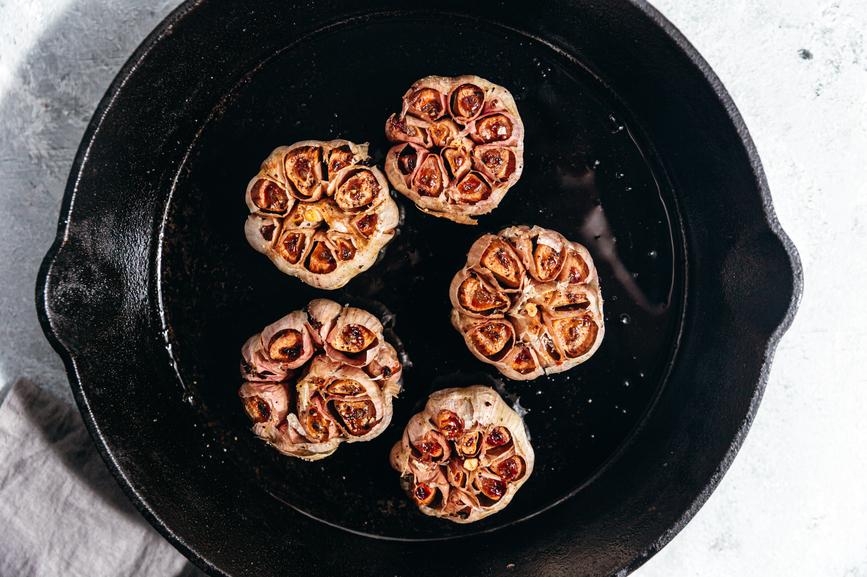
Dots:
pixel 459 146
pixel 319 212
pixel 319 377
pixel 465 456
pixel 528 302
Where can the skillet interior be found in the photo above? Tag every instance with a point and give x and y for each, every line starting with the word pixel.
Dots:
pixel 191 290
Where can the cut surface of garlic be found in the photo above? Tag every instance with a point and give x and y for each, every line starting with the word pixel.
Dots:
pixel 458 146
pixel 464 456
pixel 528 302
pixel 319 377
pixel 319 212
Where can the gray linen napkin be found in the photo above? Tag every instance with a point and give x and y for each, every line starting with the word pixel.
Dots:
pixel 61 512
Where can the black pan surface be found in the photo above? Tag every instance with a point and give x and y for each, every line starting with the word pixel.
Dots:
pixel 632 148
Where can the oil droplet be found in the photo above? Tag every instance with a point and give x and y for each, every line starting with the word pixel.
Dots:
pixel 625 319
pixel 589 400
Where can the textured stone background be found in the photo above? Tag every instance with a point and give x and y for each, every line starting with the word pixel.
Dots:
pixel 795 501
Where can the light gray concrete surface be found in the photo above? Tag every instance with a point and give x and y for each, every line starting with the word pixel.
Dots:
pixel 795 501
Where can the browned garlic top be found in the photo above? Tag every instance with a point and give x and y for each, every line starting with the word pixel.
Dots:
pixel 528 302
pixel 319 377
pixel 465 456
pixel 319 213
pixel 460 146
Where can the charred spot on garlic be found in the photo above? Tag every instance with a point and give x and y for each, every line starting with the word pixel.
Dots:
pixel 465 456
pixel 528 302
pixel 319 377
pixel 320 212
pixel 458 146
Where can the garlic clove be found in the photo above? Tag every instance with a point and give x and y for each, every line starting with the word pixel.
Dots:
pixel 476 296
pixel 355 337
pixel 425 102
pixel 466 102
pixel 497 163
pixel 429 179
pixel 268 196
pixel 303 168
pixel 491 340
pixel 321 315
pixel 472 188
pixel 288 340
pixel 406 129
pixel 265 403
pixel 256 365
pixel 262 231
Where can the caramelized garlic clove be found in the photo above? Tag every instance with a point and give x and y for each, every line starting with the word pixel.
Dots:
pixel 264 402
pixel 511 469
pixel 256 365
pixel 294 245
pixel 457 162
pixel 303 169
pixel 496 127
pixel 425 102
pixel 262 231
pixel 386 368
pixel 442 133
pixel 499 258
pixel 476 296
pixel 472 188
pixel 449 424
pixel 491 340
pixel 466 102
pixel 429 179
pixel 268 196
pixel 358 188
pixel 405 129
pixel 321 315
pixel 321 259
pixel 576 335
pixel 498 163
pixel 355 337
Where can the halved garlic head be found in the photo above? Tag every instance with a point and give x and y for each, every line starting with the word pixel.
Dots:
pixel 319 212
pixel 319 377
pixel 464 456
pixel 458 146
pixel 528 302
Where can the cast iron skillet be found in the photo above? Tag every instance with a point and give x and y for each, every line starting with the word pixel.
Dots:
pixel 633 148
